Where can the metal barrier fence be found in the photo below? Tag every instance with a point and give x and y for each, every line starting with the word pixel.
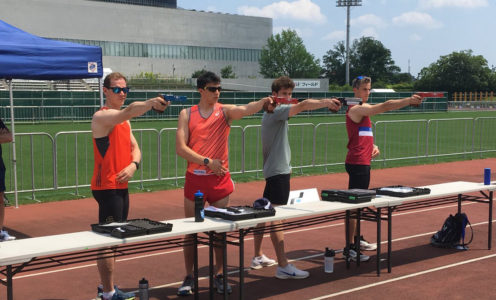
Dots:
pixel 65 161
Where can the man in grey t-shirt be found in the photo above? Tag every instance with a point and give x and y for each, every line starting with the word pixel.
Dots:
pixel 277 169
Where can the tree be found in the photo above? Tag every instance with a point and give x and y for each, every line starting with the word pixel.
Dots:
pixel 455 72
pixel 335 64
pixel 227 72
pixel 285 54
pixel 367 57
pixel 197 73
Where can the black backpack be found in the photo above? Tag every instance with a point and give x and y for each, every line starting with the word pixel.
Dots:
pixel 452 232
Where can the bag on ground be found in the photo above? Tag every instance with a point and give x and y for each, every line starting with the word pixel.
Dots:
pixel 452 232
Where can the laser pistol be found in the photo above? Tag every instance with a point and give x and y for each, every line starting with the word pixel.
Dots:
pixel 349 101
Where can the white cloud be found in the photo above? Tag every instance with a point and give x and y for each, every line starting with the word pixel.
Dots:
pixel 453 3
pixel 416 19
pixel 337 35
pixel 368 20
pixel 370 32
pixel 304 10
pixel 415 37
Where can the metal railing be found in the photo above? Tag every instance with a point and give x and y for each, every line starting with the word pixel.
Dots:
pixel 65 161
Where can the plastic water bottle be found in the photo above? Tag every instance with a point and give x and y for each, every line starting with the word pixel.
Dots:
pixel 143 289
pixel 329 260
pixel 487 176
pixel 199 212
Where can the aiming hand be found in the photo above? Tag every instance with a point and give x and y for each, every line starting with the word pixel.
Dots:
pixel 269 105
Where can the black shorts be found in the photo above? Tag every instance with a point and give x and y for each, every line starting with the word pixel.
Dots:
pixel 359 176
pixel 277 189
pixel 113 205
pixel 2 178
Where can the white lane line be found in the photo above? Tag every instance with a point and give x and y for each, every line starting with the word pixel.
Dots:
pixel 404 277
pixel 247 239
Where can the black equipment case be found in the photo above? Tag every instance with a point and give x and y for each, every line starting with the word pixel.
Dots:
pixel 134 227
pixel 236 213
pixel 402 191
pixel 348 196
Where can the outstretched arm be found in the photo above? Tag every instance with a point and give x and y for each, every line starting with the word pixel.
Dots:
pixel 312 104
pixel 104 120
pixel 236 112
pixel 357 112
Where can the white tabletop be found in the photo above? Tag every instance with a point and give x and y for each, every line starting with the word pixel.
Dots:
pixel 23 250
pixel 442 190
pixel 284 212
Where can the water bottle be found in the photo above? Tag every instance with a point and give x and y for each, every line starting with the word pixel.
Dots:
pixel 143 289
pixel 487 176
pixel 329 260
pixel 199 212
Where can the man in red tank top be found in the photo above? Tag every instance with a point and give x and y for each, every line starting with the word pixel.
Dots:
pixel 202 139
pixel 361 148
pixel 117 156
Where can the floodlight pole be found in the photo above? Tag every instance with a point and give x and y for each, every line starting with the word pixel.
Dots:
pixel 348 4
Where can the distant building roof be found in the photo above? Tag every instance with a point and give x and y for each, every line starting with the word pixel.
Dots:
pixel 382 91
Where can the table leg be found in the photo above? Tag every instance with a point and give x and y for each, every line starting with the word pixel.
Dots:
pixel 10 288
pixel 390 237
pixel 378 220
pixel 490 224
pixel 224 265
pixel 211 264
pixel 459 203
pixel 241 262
pixel 195 265
pixel 347 243
pixel 357 237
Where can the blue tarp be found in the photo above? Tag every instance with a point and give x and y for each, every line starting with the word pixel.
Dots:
pixel 26 56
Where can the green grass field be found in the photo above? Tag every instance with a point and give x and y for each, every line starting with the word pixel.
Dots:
pixel 74 168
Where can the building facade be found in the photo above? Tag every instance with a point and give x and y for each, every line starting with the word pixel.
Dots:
pixel 155 36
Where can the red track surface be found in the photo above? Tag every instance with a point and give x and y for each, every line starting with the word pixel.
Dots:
pixel 419 270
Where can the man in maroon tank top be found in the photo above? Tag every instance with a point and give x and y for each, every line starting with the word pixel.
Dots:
pixel 361 147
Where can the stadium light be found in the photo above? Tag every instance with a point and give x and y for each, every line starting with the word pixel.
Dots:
pixel 348 4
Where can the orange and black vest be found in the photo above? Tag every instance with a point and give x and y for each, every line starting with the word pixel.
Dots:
pixel 112 153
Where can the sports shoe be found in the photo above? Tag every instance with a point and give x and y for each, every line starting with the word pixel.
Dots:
pixel 366 246
pixel 352 255
pixel 259 262
pixel 219 284
pixel 99 291
pixel 120 295
pixel 187 287
pixel 5 236
pixel 290 271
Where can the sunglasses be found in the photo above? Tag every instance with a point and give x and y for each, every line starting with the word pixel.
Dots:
pixel 360 77
pixel 213 89
pixel 117 90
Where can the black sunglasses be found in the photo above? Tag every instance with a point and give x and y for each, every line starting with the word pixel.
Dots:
pixel 213 88
pixel 117 90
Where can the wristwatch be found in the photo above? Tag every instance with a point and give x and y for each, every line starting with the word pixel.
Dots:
pixel 206 160
pixel 137 164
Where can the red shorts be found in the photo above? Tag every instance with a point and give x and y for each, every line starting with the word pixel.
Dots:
pixel 213 187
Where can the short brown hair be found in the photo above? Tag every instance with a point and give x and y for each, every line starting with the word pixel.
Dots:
pixel 283 82
pixel 113 76
pixel 357 82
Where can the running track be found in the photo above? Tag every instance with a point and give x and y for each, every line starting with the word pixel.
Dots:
pixel 419 270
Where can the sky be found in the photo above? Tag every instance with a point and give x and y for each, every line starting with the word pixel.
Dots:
pixel 417 32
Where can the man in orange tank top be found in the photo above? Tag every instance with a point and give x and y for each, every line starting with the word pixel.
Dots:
pixel 117 156
pixel 202 139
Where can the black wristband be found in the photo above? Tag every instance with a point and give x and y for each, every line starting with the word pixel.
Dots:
pixel 137 164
